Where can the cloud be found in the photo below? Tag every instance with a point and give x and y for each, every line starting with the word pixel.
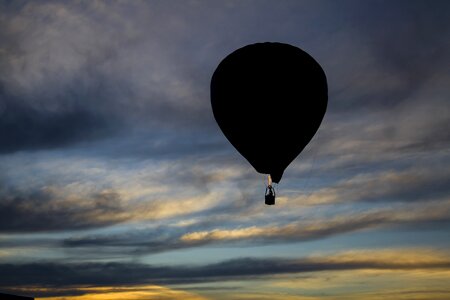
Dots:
pixel 380 69
pixel 317 229
pixel 109 292
pixel 25 127
pixel 388 88
pixel 45 211
pixel 366 284
pixel 78 72
pixel 60 275
pixel 50 91
pixel 57 194
pixel 218 233
pixel 49 209
pixel 131 163
pixel 421 184
pixel 93 193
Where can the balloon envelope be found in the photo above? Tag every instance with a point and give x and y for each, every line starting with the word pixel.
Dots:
pixel 269 100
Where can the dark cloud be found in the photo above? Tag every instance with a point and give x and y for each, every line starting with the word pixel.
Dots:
pixel 202 146
pixel 95 76
pixel 25 127
pixel 152 73
pixel 46 211
pixel 49 96
pixel 54 275
pixel 388 85
pixel 382 67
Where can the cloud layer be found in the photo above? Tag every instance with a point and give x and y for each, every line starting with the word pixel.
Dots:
pixel 109 153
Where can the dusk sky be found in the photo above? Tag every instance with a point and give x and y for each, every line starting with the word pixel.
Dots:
pixel 117 183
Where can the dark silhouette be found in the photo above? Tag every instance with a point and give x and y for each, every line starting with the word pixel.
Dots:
pixel 270 195
pixel 13 297
pixel 269 100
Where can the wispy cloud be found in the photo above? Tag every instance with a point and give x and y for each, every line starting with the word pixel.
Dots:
pixel 410 185
pixel 315 229
pixel 195 234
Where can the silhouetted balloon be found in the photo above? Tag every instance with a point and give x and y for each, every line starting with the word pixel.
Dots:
pixel 269 100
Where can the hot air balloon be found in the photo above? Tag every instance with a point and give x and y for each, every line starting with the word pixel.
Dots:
pixel 269 100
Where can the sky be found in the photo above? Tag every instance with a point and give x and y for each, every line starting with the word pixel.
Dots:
pixel 117 183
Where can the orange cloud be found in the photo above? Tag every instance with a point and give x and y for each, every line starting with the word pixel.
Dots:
pixel 129 293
